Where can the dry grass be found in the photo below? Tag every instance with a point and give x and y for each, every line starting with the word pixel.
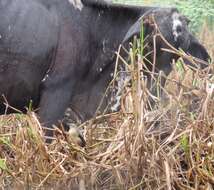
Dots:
pixel 170 147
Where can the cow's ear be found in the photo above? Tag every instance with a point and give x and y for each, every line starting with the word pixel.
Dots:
pixel 144 24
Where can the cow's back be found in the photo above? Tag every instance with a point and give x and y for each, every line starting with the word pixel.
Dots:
pixel 28 37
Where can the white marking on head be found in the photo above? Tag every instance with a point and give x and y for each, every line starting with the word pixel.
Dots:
pixel 176 22
pixel 77 4
pixel 101 69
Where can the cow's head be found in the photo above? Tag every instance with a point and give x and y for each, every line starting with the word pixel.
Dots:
pixel 174 28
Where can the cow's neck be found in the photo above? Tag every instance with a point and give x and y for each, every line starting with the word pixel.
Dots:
pixel 106 29
pixel 112 22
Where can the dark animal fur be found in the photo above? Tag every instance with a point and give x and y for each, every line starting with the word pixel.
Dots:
pixel 40 37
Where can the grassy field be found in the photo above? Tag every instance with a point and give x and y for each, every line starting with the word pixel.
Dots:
pixel 169 147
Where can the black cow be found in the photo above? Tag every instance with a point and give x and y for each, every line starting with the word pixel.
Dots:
pixel 58 54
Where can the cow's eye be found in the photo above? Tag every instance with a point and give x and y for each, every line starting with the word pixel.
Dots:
pixel 179 29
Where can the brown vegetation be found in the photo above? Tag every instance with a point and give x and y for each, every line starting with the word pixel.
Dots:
pixel 170 147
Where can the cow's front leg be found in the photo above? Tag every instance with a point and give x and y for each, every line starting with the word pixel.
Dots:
pixel 54 101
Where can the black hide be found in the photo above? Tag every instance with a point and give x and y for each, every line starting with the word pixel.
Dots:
pixel 58 55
